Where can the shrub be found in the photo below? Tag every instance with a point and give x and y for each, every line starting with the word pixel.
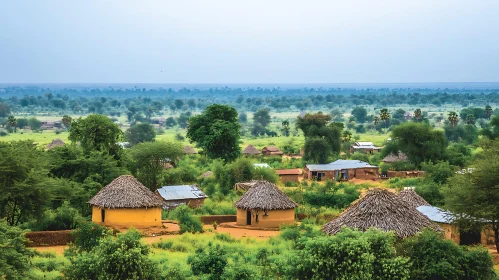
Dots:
pixel 63 218
pixel 3 133
pixel 212 263
pixel 187 221
pixel 14 257
pixel 290 233
pixel 432 257
pixel 87 236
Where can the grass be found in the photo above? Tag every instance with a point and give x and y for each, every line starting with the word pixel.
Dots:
pixel 41 139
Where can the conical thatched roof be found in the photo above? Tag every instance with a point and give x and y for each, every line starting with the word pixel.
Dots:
pixel 55 143
pixel 265 196
pixel 251 150
pixel 126 192
pixel 189 150
pixel 382 210
pixel 412 199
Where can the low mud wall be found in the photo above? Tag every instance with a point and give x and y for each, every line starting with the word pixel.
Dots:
pixel 208 220
pixel 48 238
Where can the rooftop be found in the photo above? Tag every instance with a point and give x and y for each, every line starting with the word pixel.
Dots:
pixel 180 192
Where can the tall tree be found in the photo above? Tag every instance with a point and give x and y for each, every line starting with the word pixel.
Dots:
pixel 419 141
pixel 285 128
pixel 470 119
pixel 475 194
pixel 142 132
pixel 376 120
pixel 453 118
pixel 96 133
pixel 14 257
pixel 12 122
pixel 418 114
pixel 260 121
pixel 488 111
pixel 66 121
pixel 4 110
pixel 217 132
pixel 360 114
pixel 149 158
pixel 384 115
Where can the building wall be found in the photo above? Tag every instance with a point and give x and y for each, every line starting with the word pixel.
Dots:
pixel 289 178
pixel 370 173
pixel 274 218
pixel 126 217
pixel 451 232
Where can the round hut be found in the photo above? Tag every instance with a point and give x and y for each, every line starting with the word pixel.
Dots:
pixel 411 198
pixel 126 202
pixel 251 150
pixel 264 205
pixel 381 209
pixel 55 143
pixel 188 150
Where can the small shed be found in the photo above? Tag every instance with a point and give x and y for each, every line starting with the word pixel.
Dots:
pixel 55 143
pixel 126 202
pixel 289 175
pixel 250 150
pixel 265 206
pixel 189 195
pixel 342 170
pixel 188 150
pixel 382 210
pixel 271 151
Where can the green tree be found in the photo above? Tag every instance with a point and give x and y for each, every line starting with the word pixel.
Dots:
pixel 217 132
pixel 310 123
pixel 262 117
pixel 4 110
pixel 346 136
pixel 470 119
pixel 475 194
pixel 148 159
pixel 66 121
pixel 96 133
pixel 34 123
pixel 243 117
pixel 142 132
pixel 453 118
pixel 360 114
pixel 285 128
pixel 419 141
pixel 12 122
pixel 488 111
pixel 211 263
pixel 182 120
pixel 187 221
pixel 418 115
pixel 170 122
pixel 23 182
pixel 384 115
pixel 376 120
pixel 14 257
pixel 316 150
pixel 123 257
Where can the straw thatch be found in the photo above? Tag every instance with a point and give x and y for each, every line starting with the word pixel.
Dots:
pixel 126 192
pixel 412 199
pixel 189 150
pixel 55 143
pixel 399 157
pixel 382 210
pixel 265 196
pixel 251 150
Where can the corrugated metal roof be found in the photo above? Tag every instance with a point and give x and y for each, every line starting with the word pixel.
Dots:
pixel 436 214
pixel 338 165
pixel 180 192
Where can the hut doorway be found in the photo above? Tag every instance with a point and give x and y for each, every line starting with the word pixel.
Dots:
pixel 103 215
pixel 248 218
pixel 469 237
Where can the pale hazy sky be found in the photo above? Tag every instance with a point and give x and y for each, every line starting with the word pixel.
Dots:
pixel 232 41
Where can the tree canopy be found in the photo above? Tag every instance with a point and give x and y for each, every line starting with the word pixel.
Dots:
pixel 142 132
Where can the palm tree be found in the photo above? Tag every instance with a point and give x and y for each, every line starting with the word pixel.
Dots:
pixel 488 111
pixel 384 115
pixel 376 120
pixel 453 118
pixel 418 114
pixel 470 119
pixel 285 127
pixel 12 122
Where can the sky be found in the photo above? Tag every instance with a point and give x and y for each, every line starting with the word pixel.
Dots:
pixel 230 41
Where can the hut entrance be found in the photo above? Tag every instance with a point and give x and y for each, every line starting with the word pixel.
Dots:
pixel 469 237
pixel 248 218
pixel 103 215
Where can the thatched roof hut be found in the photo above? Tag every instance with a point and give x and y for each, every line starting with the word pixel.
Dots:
pixel 251 150
pixel 55 143
pixel 265 196
pixel 188 150
pixel 126 192
pixel 399 157
pixel 412 199
pixel 381 209
pixel 271 151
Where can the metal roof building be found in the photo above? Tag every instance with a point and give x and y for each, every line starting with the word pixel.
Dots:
pixel 182 194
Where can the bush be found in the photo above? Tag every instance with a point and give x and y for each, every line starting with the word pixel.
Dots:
pixel 63 218
pixel 124 257
pixel 87 236
pixel 14 257
pixel 3 133
pixel 212 263
pixel 432 257
pixel 187 221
